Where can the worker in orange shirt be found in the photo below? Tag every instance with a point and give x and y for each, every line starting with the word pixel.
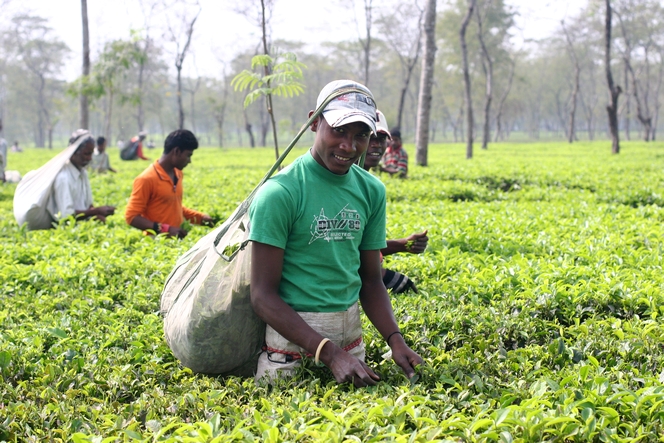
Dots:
pixel 156 198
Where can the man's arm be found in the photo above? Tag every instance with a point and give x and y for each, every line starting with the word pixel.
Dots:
pixel 144 224
pixel 138 201
pixel 376 304
pixel 99 213
pixel 108 164
pixel 402 165
pixel 139 152
pixel 64 203
pixel 196 217
pixel 414 243
pixel 266 267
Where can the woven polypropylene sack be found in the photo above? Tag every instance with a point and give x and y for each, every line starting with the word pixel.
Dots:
pixel 209 322
pixel 32 193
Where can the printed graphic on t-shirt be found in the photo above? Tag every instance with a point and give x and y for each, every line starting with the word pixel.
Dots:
pixel 342 227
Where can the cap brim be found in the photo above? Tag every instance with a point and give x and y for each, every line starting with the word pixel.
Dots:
pixel 340 117
pixel 384 132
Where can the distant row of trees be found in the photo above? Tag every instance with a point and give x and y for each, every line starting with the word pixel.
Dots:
pixel 483 88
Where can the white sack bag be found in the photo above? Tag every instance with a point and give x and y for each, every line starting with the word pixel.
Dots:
pixel 32 193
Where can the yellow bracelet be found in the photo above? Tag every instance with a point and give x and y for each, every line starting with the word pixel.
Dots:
pixel 320 346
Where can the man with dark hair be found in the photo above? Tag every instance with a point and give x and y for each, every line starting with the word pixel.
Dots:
pixel 71 194
pixel 100 162
pixel 395 160
pixel 317 229
pixel 414 243
pixel 156 198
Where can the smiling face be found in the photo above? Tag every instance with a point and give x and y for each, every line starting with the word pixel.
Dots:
pixel 336 149
pixel 83 154
pixel 377 146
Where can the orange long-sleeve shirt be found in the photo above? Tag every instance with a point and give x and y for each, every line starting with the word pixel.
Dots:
pixel 156 198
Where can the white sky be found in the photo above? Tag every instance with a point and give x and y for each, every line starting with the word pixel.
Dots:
pixel 220 33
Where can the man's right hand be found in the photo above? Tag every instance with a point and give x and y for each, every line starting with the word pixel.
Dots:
pixel 105 211
pixel 347 368
pixel 176 232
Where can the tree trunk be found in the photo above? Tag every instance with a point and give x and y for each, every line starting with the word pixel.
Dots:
pixel 628 104
pixel 501 102
pixel 192 93
pixel 487 65
pixel 220 131
pixel 180 107
pixel 179 61
pixel 458 124
pixel 571 131
pixel 109 115
pixel 268 98
pixel 466 80
pixel 426 85
pixel 408 63
pixel 404 89
pixel 657 102
pixel 367 44
pixel 641 114
pixel 42 112
pixel 614 90
pixel 140 114
pixel 247 127
pixel 84 111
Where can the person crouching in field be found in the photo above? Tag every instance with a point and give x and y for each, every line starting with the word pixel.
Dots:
pixel 414 243
pixel 156 197
pixel 100 162
pixel 317 229
pixel 72 194
pixel 395 160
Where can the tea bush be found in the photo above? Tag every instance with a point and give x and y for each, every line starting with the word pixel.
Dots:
pixel 539 314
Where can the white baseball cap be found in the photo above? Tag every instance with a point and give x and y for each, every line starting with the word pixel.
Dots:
pixel 381 124
pixel 348 108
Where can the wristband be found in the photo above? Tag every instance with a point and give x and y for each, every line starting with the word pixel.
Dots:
pixel 165 228
pixel 320 346
pixel 390 336
pixel 156 228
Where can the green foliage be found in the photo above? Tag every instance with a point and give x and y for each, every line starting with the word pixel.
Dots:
pixel 540 312
pixel 283 79
pixel 116 59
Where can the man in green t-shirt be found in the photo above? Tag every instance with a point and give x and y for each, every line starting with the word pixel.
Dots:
pixel 317 229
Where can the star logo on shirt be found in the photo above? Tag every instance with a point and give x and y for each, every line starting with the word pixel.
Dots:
pixel 340 228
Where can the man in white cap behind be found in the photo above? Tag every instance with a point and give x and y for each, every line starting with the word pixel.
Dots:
pixel 317 229
pixel 414 243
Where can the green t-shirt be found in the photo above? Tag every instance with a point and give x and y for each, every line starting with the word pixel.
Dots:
pixel 321 220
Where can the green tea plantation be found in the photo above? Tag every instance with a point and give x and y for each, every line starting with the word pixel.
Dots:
pixel 540 314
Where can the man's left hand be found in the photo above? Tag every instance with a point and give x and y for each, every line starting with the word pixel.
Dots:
pixel 206 220
pixel 416 243
pixel 405 357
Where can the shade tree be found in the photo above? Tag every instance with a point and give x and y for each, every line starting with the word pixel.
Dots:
pixel 32 44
